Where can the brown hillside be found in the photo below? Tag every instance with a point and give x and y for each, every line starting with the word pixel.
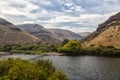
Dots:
pixel 107 34
pixel 40 32
pixel 10 35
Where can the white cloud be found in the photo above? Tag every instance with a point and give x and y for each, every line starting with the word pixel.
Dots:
pixel 37 11
pixel 42 2
pixel 91 18
pixel 110 0
pixel 70 5
pixel 27 22
pixel 89 21
pixel 6 8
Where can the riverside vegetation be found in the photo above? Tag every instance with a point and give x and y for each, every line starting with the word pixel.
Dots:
pixel 29 49
pixel 17 69
pixel 69 47
pixel 74 47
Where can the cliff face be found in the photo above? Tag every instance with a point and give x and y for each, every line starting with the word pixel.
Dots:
pixel 107 34
pixel 10 35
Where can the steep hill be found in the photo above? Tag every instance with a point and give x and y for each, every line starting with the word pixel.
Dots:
pixel 107 34
pixel 10 35
pixel 39 31
pixel 66 34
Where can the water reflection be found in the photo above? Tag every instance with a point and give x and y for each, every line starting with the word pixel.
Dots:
pixel 88 67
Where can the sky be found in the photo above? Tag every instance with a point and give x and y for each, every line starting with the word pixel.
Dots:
pixel 73 15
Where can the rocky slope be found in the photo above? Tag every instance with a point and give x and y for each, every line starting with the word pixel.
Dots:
pixel 10 35
pixel 107 34
pixel 40 32
pixel 66 34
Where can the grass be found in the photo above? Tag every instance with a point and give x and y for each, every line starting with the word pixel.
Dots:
pixel 28 51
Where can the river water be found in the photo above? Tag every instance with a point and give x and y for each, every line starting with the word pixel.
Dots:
pixel 82 67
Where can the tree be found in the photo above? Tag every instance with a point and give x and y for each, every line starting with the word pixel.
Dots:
pixel 65 41
pixel 73 46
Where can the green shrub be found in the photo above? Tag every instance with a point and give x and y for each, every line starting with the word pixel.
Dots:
pixel 23 47
pixel 6 48
pixel 101 51
pixel 64 50
pixel 36 49
pixel 65 41
pixel 71 47
pixel 17 69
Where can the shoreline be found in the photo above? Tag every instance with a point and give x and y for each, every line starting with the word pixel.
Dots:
pixel 58 54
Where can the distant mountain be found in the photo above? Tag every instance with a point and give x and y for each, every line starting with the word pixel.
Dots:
pixel 40 32
pixel 11 35
pixel 84 34
pixel 66 34
pixel 49 35
pixel 107 34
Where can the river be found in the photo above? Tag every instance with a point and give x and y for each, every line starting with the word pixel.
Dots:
pixel 81 67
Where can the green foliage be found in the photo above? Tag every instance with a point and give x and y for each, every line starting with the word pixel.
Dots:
pixel 100 51
pixel 17 69
pixel 71 47
pixel 27 51
pixel 67 46
pixel 30 49
pixel 75 47
pixel 65 41
pixel 6 48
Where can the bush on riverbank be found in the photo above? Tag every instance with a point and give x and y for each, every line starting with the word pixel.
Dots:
pixel 30 49
pixel 5 48
pixel 76 48
pixel 16 69
pixel 71 47
pixel 67 46
pixel 100 51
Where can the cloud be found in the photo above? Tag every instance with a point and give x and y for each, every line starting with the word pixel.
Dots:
pixel 42 2
pixel 74 15
pixel 84 22
pixel 110 0
pixel 7 8
pixel 69 5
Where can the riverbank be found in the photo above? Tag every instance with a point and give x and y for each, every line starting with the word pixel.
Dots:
pixel 4 53
pixel 7 55
pixel 59 54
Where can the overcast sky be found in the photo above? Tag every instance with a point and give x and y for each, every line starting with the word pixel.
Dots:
pixel 74 15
